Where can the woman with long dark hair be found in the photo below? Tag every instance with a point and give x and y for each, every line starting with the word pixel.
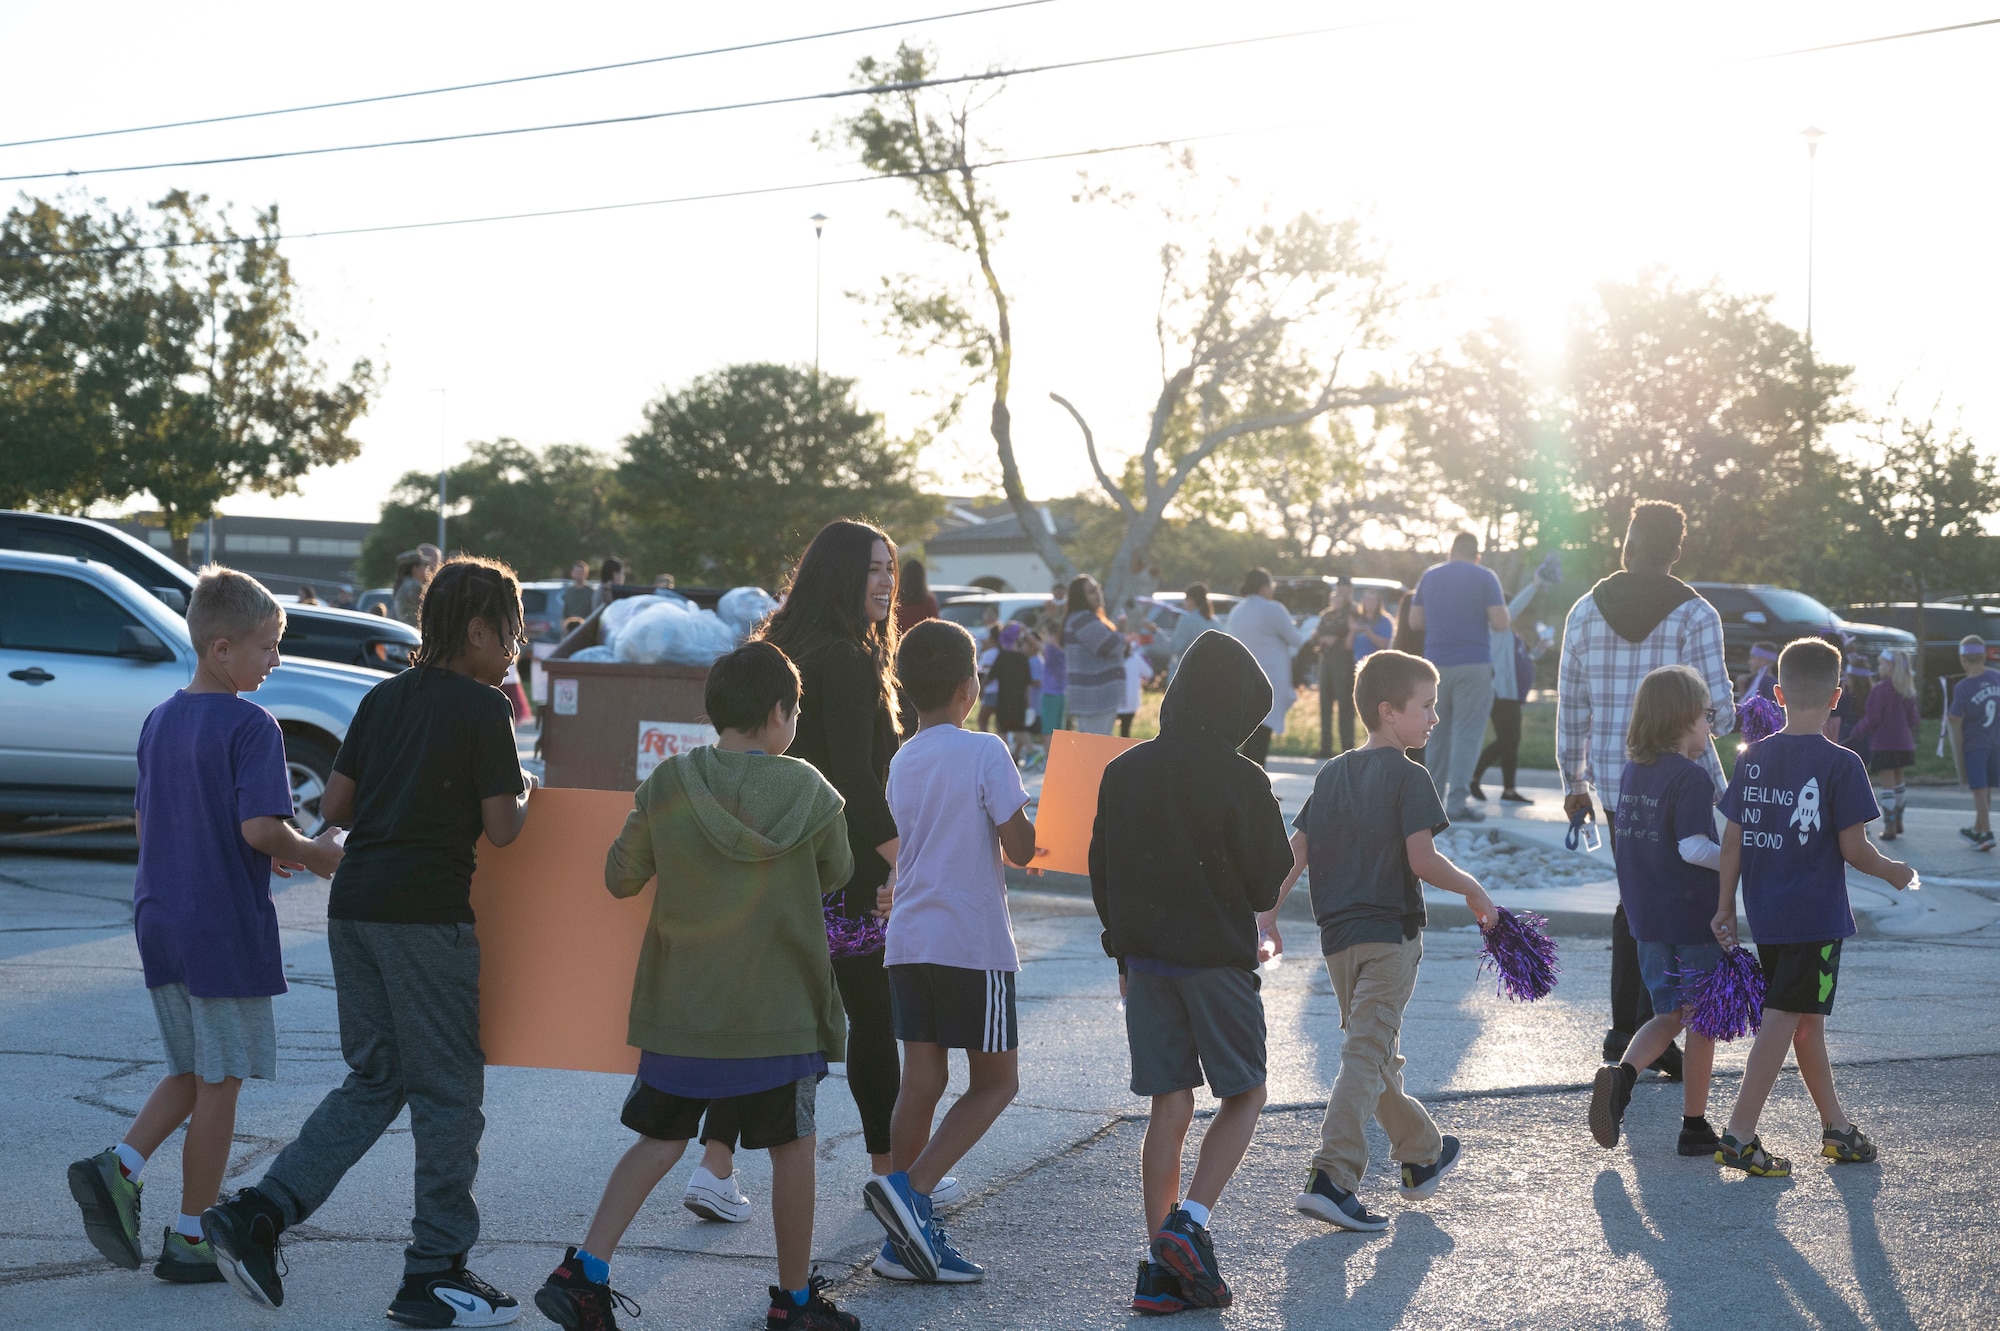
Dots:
pixel 837 624
pixel 1094 652
pixel 914 602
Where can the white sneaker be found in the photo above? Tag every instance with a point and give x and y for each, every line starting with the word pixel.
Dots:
pixel 948 1192
pixel 714 1198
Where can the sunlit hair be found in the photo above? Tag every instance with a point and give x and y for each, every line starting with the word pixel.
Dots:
pixel 228 604
pixel 1897 674
pixel 1256 582
pixel 1197 600
pixel 744 685
pixel 934 658
pixel 1388 676
pixel 1655 534
pixel 826 603
pixel 466 588
pixel 1080 588
pixel 1670 700
pixel 1809 672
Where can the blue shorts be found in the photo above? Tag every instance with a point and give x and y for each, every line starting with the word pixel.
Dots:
pixel 1661 966
pixel 1982 768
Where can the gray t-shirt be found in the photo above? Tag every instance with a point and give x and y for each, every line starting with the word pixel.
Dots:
pixel 1363 805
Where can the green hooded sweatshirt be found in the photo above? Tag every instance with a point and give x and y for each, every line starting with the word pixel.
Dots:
pixel 734 964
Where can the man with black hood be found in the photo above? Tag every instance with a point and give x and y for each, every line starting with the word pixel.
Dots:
pixel 1188 846
pixel 1627 626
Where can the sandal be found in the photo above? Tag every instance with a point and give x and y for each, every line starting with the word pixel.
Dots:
pixel 1752 1158
pixel 1851 1147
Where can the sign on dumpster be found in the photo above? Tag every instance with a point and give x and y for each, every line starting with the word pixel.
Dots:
pixel 661 740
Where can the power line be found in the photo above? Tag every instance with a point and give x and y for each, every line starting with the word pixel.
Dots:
pixel 910 85
pixel 1870 41
pixel 650 203
pixel 525 78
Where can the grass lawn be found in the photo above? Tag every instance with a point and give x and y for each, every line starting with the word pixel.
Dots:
pixel 1538 737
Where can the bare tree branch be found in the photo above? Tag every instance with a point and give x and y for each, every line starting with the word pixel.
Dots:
pixel 1328 401
pixel 1090 446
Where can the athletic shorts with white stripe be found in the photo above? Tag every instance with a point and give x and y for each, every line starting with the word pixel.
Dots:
pixel 955 1007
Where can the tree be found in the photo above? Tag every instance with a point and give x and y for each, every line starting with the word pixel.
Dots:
pixel 733 474
pixel 1243 328
pixel 160 356
pixel 1481 431
pixel 926 138
pixel 540 512
pixel 1920 493
pixel 1701 396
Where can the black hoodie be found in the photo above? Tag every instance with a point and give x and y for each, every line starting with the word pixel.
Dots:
pixel 1633 604
pixel 1189 842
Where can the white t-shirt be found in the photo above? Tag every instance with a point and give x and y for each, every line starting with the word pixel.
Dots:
pixel 949 791
pixel 1137 671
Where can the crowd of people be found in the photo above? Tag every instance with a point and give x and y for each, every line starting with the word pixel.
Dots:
pixel 838 896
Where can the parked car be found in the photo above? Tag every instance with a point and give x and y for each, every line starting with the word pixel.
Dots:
pixel 1753 612
pixel 1012 607
pixel 86 653
pixel 1306 598
pixel 541 610
pixel 1165 614
pixel 946 592
pixel 1945 622
pixel 374 596
pixel 318 631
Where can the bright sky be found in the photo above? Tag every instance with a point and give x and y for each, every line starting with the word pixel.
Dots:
pixel 1510 155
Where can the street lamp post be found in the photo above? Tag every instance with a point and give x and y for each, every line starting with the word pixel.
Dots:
pixel 442 547
pixel 819 229
pixel 1812 134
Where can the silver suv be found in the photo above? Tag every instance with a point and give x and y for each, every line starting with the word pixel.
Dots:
pixel 86 653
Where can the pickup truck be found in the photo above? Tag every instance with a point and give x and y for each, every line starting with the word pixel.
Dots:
pixel 86 653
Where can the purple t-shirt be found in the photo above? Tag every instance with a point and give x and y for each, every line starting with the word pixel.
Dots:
pixel 201 905
pixel 1667 900
pixel 1055 669
pixel 1975 700
pixel 1792 795
pixel 1455 596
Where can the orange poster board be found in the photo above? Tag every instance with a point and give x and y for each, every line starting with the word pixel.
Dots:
pixel 556 951
pixel 1069 798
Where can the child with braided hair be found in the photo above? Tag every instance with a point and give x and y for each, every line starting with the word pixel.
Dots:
pixel 427 766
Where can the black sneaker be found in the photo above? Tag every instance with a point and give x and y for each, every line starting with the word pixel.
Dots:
pixel 1420 1181
pixel 1476 792
pixel 574 1302
pixel 1668 1064
pixel 1514 797
pixel 1615 1044
pixel 1184 1248
pixel 1971 834
pixel 451 1298
pixel 1610 1092
pixel 818 1314
pixel 1698 1138
pixel 1158 1292
pixel 1326 1200
pixel 1985 841
pixel 243 1234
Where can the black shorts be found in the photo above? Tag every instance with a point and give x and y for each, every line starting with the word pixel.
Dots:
pixel 1800 977
pixel 762 1119
pixel 955 1007
pixel 1890 760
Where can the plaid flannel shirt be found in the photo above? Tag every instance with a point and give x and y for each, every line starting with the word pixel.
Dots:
pixel 1599 678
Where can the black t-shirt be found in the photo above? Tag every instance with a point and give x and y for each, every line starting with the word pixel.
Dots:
pixel 425 748
pixel 1014 675
pixel 1363 805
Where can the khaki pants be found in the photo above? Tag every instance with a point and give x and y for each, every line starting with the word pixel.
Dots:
pixel 1373 982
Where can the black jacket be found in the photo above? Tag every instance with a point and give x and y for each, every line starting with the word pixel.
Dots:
pixel 1189 843
pixel 846 732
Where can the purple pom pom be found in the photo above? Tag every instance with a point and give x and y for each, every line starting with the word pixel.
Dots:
pixel 1727 1002
pixel 1759 718
pixel 847 937
pixel 1521 954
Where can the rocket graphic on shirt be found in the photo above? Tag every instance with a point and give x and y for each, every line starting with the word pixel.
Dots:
pixel 1806 816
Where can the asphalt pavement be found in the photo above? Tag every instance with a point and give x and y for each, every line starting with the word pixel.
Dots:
pixel 1538 1226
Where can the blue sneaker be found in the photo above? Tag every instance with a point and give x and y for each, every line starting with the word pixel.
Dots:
pixel 1326 1200
pixel 953 1267
pixel 1183 1247
pixel 905 1216
pixel 888 1266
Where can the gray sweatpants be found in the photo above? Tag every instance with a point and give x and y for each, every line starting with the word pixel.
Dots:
pixel 1465 701
pixel 409 1029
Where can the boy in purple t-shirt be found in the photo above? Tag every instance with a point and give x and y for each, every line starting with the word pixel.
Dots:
pixel 1797 812
pixel 210 812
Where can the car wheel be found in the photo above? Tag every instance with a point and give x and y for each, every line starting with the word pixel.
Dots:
pixel 309 764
